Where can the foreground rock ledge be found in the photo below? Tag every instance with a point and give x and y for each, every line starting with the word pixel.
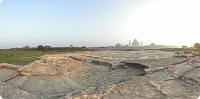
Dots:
pixel 79 76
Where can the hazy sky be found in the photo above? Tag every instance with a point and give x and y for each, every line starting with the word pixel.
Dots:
pixel 98 22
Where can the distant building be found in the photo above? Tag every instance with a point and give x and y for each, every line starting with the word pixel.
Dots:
pixel 196 45
pixel 71 46
pixel 184 46
pixel 129 43
pixel 118 45
pixel 160 45
pixel 135 43
pixel 152 44
pixel 126 45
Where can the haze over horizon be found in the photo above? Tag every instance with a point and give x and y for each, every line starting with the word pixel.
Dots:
pixel 98 22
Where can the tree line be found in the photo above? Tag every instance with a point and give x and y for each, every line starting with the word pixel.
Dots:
pixel 48 48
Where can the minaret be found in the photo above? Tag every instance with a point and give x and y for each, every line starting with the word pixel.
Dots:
pixel 141 43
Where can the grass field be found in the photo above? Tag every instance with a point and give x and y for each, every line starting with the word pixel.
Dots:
pixel 22 57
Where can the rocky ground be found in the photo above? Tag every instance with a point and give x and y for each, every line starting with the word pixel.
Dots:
pixel 149 74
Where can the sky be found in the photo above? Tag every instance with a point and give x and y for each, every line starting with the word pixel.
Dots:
pixel 90 23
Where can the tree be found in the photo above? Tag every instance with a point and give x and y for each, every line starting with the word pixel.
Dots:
pixel 26 47
pixel 39 47
pixel 47 47
pixel 44 49
pixel 84 47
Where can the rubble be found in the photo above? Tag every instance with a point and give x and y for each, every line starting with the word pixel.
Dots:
pixel 50 66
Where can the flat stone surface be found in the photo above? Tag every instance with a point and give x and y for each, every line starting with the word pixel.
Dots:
pixel 194 73
pixel 167 78
pixel 50 85
pixel 14 79
pixel 20 81
pixel 5 73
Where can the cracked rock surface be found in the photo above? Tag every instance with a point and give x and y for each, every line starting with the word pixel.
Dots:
pixel 110 75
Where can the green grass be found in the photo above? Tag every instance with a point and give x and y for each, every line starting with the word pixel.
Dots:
pixel 22 57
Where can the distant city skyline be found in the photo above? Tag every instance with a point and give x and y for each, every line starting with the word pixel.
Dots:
pixel 93 23
pixel 136 43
